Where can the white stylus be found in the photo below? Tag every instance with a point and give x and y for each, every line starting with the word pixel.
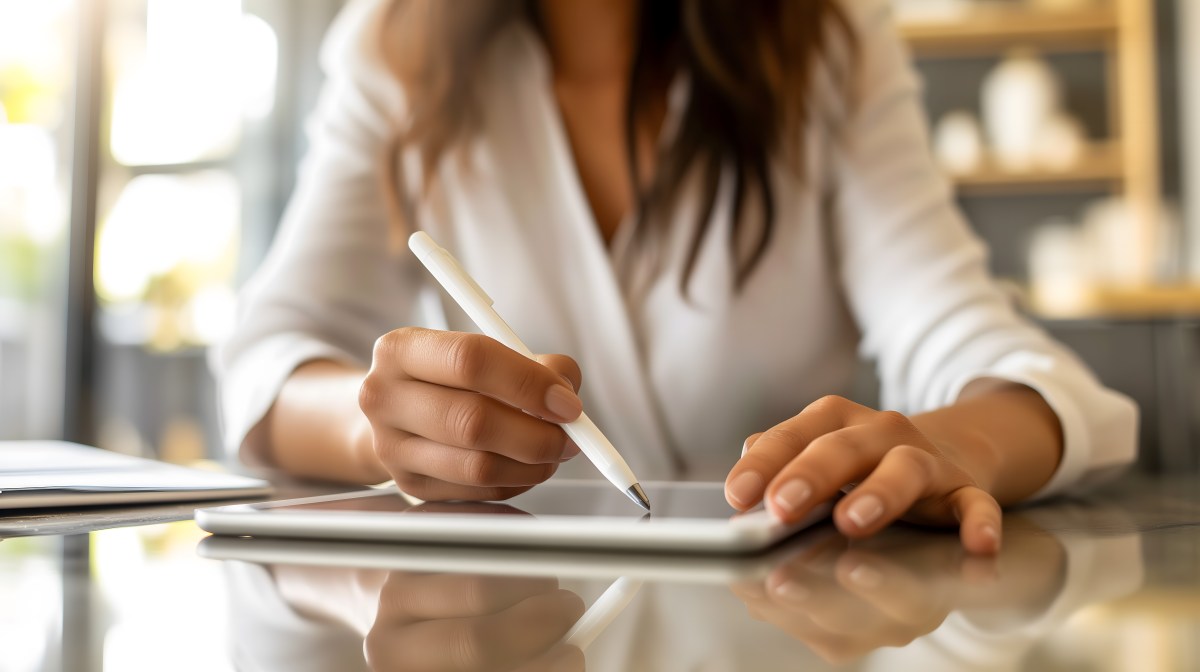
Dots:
pixel 603 611
pixel 478 306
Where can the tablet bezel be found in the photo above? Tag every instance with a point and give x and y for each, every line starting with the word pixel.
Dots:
pixel 744 533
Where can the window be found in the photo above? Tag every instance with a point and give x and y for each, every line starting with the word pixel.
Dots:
pixel 37 61
pixel 197 118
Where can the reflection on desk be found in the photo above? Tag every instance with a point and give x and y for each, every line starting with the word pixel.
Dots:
pixel 1111 582
pixel 906 600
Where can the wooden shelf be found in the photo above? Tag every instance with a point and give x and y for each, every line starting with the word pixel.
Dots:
pixel 1127 303
pixel 998 27
pixel 1100 166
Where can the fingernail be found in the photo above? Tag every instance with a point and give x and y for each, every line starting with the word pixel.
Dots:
pixel 992 535
pixel 746 488
pixel 866 576
pixel 563 403
pixel 792 495
pixel 570 383
pixel 570 450
pixel 792 591
pixel 865 510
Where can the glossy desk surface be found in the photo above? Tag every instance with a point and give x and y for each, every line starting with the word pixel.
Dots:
pixel 1110 582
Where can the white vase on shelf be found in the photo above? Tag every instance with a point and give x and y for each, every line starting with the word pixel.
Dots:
pixel 1112 235
pixel 958 142
pixel 1059 267
pixel 1019 95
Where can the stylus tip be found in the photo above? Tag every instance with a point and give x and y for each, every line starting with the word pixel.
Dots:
pixel 638 496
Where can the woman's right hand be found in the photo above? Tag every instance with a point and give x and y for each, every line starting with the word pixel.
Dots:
pixel 461 416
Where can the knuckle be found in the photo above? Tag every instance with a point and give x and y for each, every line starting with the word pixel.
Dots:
pixel 917 460
pixel 468 422
pixel 829 403
pixel 369 395
pixel 783 435
pixel 388 345
pixel 529 385
pixel 466 357
pixel 894 421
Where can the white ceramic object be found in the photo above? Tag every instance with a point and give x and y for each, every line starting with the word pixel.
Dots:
pixel 1059 269
pixel 958 142
pixel 1018 96
pixel 1060 142
pixel 1111 238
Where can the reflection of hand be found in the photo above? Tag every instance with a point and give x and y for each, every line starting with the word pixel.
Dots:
pixel 460 416
pixel 845 600
pixel 465 622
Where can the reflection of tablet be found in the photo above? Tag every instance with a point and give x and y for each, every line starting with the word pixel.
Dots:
pixel 570 514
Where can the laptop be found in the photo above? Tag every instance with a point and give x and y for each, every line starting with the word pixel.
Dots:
pixel 54 474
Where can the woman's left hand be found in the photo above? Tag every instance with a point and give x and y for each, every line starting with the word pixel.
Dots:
pixel 891 468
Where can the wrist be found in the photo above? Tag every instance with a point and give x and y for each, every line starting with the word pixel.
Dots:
pixel 360 446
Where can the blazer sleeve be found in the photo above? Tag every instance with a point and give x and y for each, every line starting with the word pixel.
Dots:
pixel 329 285
pixel 917 282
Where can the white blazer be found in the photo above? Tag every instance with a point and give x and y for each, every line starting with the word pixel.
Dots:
pixel 870 258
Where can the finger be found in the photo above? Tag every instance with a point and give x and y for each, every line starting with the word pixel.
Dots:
pixel 492 642
pixel 469 420
pixel 561 658
pixel 904 475
pixel 752 590
pixel 750 441
pixel 979 519
pixel 766 456
pixel 893 590
pixel 830 462
pixel 744 485
pixel 434 490
pixel 565 367
pixel 490 508
pixel 832 646
pixel 463 466
pixel 481 364
pixel 408 597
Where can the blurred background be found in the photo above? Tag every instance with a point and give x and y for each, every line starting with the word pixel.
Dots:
pixel 147 149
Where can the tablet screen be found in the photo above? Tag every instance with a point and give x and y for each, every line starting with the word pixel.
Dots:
pixel 555 498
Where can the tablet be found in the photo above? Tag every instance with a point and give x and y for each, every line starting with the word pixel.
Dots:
pixel 686 517
pixel 691 568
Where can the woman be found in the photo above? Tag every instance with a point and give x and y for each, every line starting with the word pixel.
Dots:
pixel 713 207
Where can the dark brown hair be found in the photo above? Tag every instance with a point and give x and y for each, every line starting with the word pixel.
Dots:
pixel 751 64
